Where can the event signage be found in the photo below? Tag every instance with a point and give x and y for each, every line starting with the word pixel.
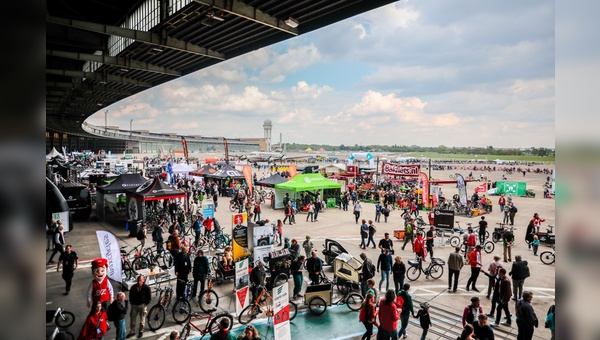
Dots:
pixel 481 188
pixel 64 217
pixel 443 219
pixel 281 309
pixel 462 188
pixel 240 235
pixel 208 210
pixel 425 185
pixel 109 249
pixel 241 285
pixel 411 170
pixel 352 170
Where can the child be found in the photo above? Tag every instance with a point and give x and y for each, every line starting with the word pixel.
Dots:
pixel 308 246
pixel 286 244
pixel 424 320
pixel 371 288
pixel 534 245
pixel 227 257
pixel 280 231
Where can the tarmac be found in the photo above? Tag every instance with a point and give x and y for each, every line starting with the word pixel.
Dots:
pixel 333 223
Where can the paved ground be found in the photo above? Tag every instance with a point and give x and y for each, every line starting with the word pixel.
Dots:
pixel 339 225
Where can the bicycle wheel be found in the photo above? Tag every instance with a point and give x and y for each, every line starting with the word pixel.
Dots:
pixel 181 311
pixel 220 243
pixel 487 234
pixel 68 335
pixel 213 325
pixel 248 314
pixel 156 317
pixel 454 241
pixel 413 273
pixel 209 300
pixel 140 263
pixel 185 332
pixel 166 259
pixel 547 257
pixel 341 286
pixel 280 279
pixel 293 310
pixel 489 247
pixel 495 237
pixel 317 305
pixel 64 319
pixel 233 207
pixel 436 271
pixel 354 301
pixel 219 276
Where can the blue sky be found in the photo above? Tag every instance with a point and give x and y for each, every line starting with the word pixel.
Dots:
pixel 454 73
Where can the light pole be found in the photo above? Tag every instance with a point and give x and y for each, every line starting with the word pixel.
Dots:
pixel 105 120
pixel 130 125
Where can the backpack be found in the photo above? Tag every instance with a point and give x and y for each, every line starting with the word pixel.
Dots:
pixel 362 315
pixel 140 235
pixel 408 229
pixel 399 300
pixel 111 313
pixel 216 225
pixel 156 234
pixel 515 209
pixel 372 229
pixel 370 268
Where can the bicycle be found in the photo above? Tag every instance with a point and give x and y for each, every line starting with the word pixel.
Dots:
pixel 547 257
pixel 234 206
pixel 317 305
pixel 128 272
pixel 158 312
pixel 435 270
pixel 67 335
pixel 211 327
pixel 208 298
pixel 61 317
pixel 263 304
pixel 498 231
pixel 182 307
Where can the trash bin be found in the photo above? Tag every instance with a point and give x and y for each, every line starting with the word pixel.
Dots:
pixel 331 202
pixel 134 226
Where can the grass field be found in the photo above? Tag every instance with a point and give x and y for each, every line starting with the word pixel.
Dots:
pixel 524 158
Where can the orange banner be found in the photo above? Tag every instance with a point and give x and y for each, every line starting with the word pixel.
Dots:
pixel 425 182
pixel 247 171
pixel 292 170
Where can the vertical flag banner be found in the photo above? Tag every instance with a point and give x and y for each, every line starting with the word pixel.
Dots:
pixel 292 170
pixel 425 182
pixel 109 249
pixel 462 188
pixel 241 285
pixel 247 171
pixel 240 235
pixel 185 149
pixel 226 151
pixel 281 309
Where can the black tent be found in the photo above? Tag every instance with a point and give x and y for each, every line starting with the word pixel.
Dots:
pixel 271 181
pixel 227 171
pixel 155 189
pixel 203 171
pixel 120 185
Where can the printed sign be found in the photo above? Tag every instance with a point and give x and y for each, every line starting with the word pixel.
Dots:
pixel 412 170
pixel 63 216
pixel 240 235
pixel 208 210
pixel 241 285
pixel 352 170
pixel 443 219
pixel 281 309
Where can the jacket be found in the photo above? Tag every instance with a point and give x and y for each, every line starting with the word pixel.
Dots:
pixel 117 310
pixel 140 296
pixel 183 265
pixel 525 313
pixel 519 270
pixel 455 261
pixel 93 323
pixel 384 262
pixel 388 316
pixel 200 266
pixel 505 290
pixel 407 306
pixel 314 264
pixel 398 270
pixel 473 259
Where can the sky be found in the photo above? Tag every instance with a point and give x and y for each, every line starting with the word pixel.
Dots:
pixel 427 73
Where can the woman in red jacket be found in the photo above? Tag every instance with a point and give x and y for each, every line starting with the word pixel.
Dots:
pixel 95 325
pixel 368 315
pixel 389 314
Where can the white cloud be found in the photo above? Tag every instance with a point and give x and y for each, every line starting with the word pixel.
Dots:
pixel 294 59
pixel 304 91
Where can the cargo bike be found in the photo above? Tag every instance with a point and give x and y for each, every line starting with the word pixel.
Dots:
pixel 347 276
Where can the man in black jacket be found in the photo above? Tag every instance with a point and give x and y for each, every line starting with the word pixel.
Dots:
pixel 139 297
pixel 519 272
pixel 201 269
pixel 117 312
pixel 366 274
pixel 314 266
pixel 183 267
pixel 526 318
pixel 257 279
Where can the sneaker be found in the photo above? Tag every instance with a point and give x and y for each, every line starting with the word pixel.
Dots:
pixel 66 293
pixel 534 254
pixel 475 289
pixel 404 336
pixel 506 324
pixel 490 315
pixel 130 335
pixel 467 288
pixel 494 324
pixel 449 289
pixel 140 334
pixel 454 291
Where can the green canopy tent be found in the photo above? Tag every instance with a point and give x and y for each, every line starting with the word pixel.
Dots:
pixel 511 188
pixel 304 182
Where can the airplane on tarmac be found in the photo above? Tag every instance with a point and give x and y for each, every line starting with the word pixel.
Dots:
pixel 269 157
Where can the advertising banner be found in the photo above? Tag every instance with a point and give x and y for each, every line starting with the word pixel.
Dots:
pixel 462 188
pixel 352 170
pixel 394 169
pixel 240 235
pixel 241 285
pixel 109 249
pixel 63 216
pixel 443 219
pixel 281 309
pixel 425 184
pixel 292 170
pixel 247 171
pixel 481 188
pixel 208 210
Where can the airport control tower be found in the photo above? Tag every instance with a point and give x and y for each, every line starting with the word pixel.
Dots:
pixel 268 126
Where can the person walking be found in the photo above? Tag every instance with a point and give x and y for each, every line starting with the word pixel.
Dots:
pixel 529 233
pixel 482 229
pixel 367 271
pixel 318 206
pixel 407 309
pixel 310 212
pixel 471 311
pixel 50 230
pixel 372 231
pixel 59 241
pixel 475 263
pixel 398 272
pixel 504 294
pixel 385 211
pixel 471 241
pixel 139 298
pixel 526 318
pixel 424 319
pixel 519 272
pixel 491 274
pixel 308 246
pixel 357 209
pixel 511 213
pixel 386 243
pixel 368 315
pixel 296 270
pixel 535 244
pixel 389 315
pixel 288 213
pixel 183 267
pixel 508 239
pixel 364 234
pixel 482 329
pixel 117 311
pixel 384 262
pixel 69 261
pixel 455 264
pixel 409 235
pixel 200 270
pixel 430 235
pixel 378 212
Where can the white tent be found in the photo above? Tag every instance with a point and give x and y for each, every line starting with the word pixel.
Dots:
pixel 54 153
pixel 182 169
